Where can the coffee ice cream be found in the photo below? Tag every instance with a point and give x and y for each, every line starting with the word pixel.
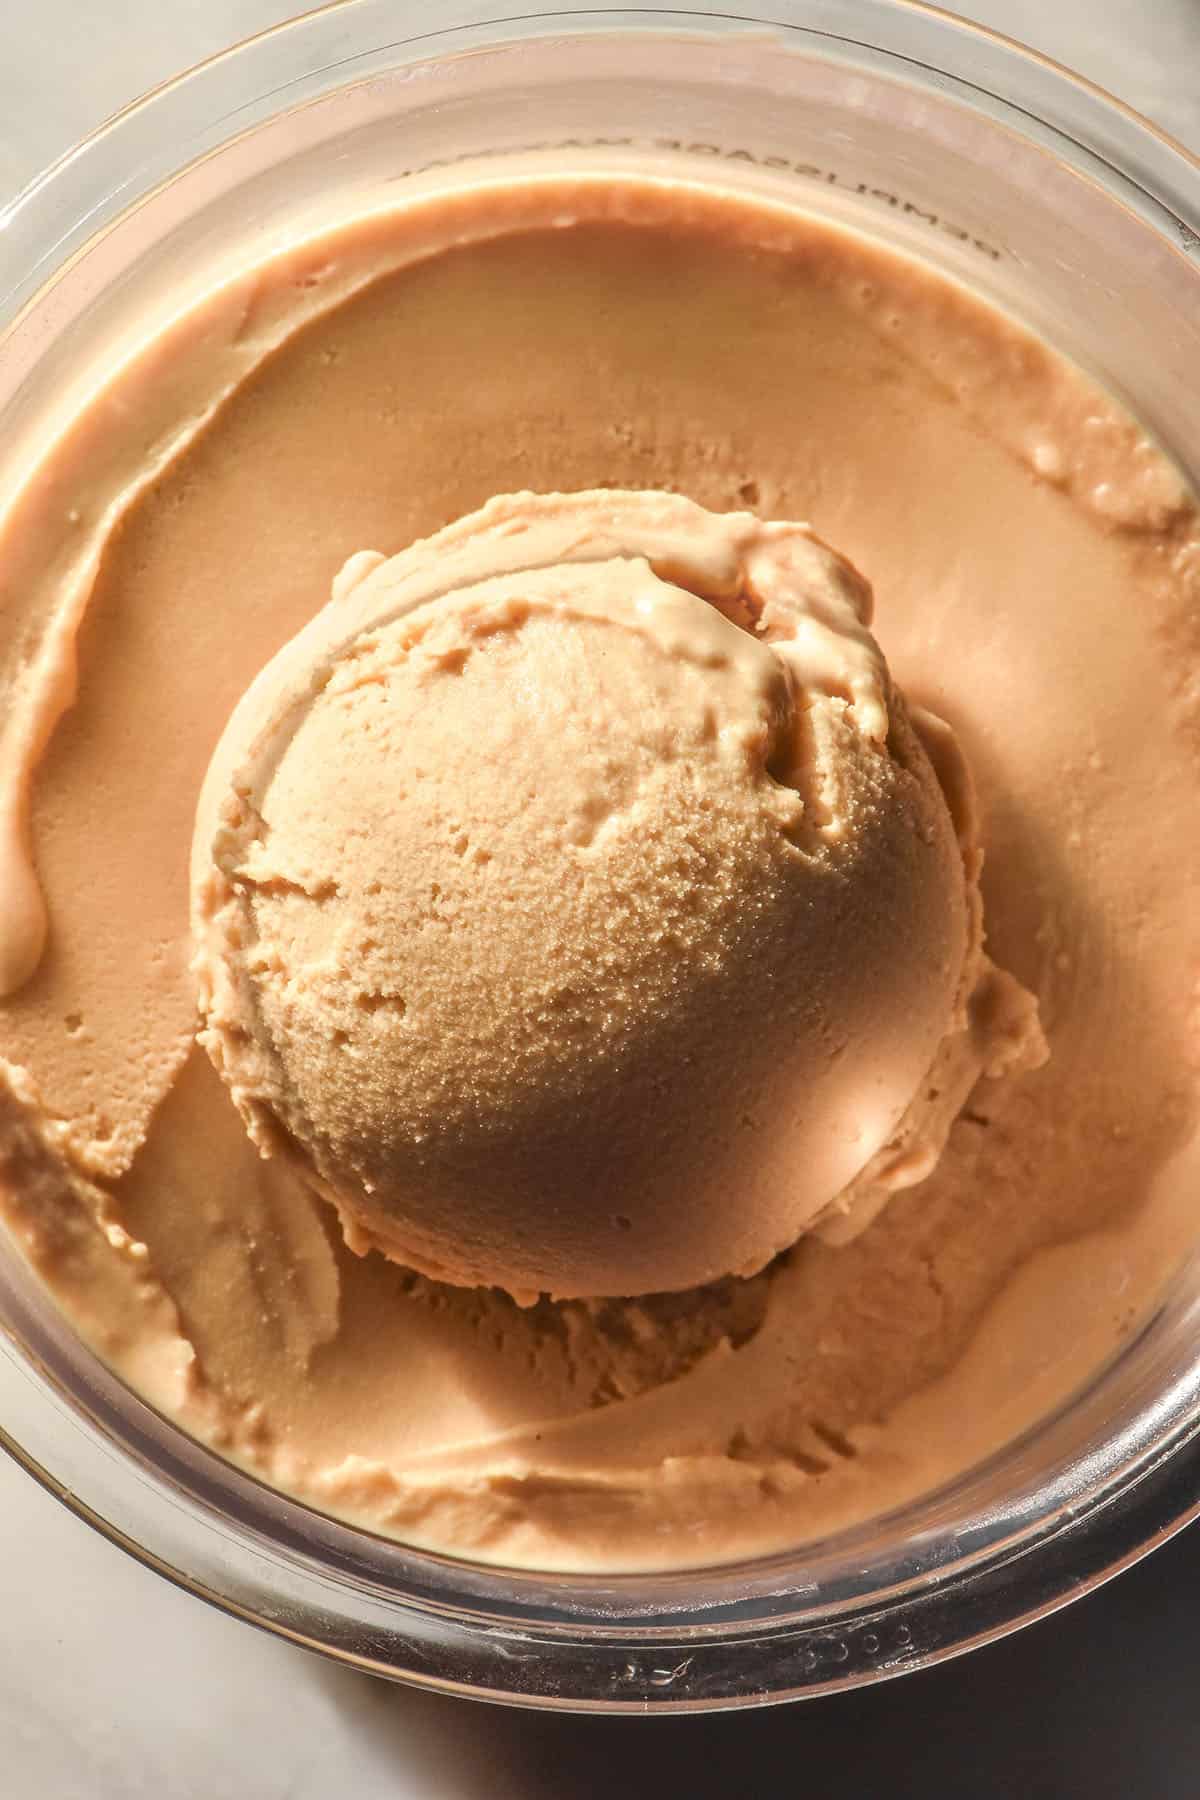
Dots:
pixel 873 1233
pixel 576 904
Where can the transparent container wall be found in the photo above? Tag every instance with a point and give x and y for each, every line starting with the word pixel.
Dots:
pixel 1030 220
pixel 935 174
pixel 1082 255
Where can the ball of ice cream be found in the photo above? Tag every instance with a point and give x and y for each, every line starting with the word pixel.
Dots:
pixel 575 902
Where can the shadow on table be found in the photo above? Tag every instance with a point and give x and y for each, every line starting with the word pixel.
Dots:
pixel 1100 1701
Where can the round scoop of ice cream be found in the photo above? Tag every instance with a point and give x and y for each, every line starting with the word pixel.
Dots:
pixel 575 903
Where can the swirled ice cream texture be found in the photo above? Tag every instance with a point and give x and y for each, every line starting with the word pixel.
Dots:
pixel 1037 567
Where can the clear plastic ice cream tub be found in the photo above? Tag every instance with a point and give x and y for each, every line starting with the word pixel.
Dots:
pixel 1002 171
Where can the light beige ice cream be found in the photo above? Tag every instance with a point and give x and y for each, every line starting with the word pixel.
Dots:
pixel 1036 563
pixel 575 901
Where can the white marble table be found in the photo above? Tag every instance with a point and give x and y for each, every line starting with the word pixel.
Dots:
pixel 113 1686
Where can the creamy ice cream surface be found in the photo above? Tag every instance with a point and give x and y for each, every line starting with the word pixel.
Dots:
pixel 575 901
pixel 589 898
